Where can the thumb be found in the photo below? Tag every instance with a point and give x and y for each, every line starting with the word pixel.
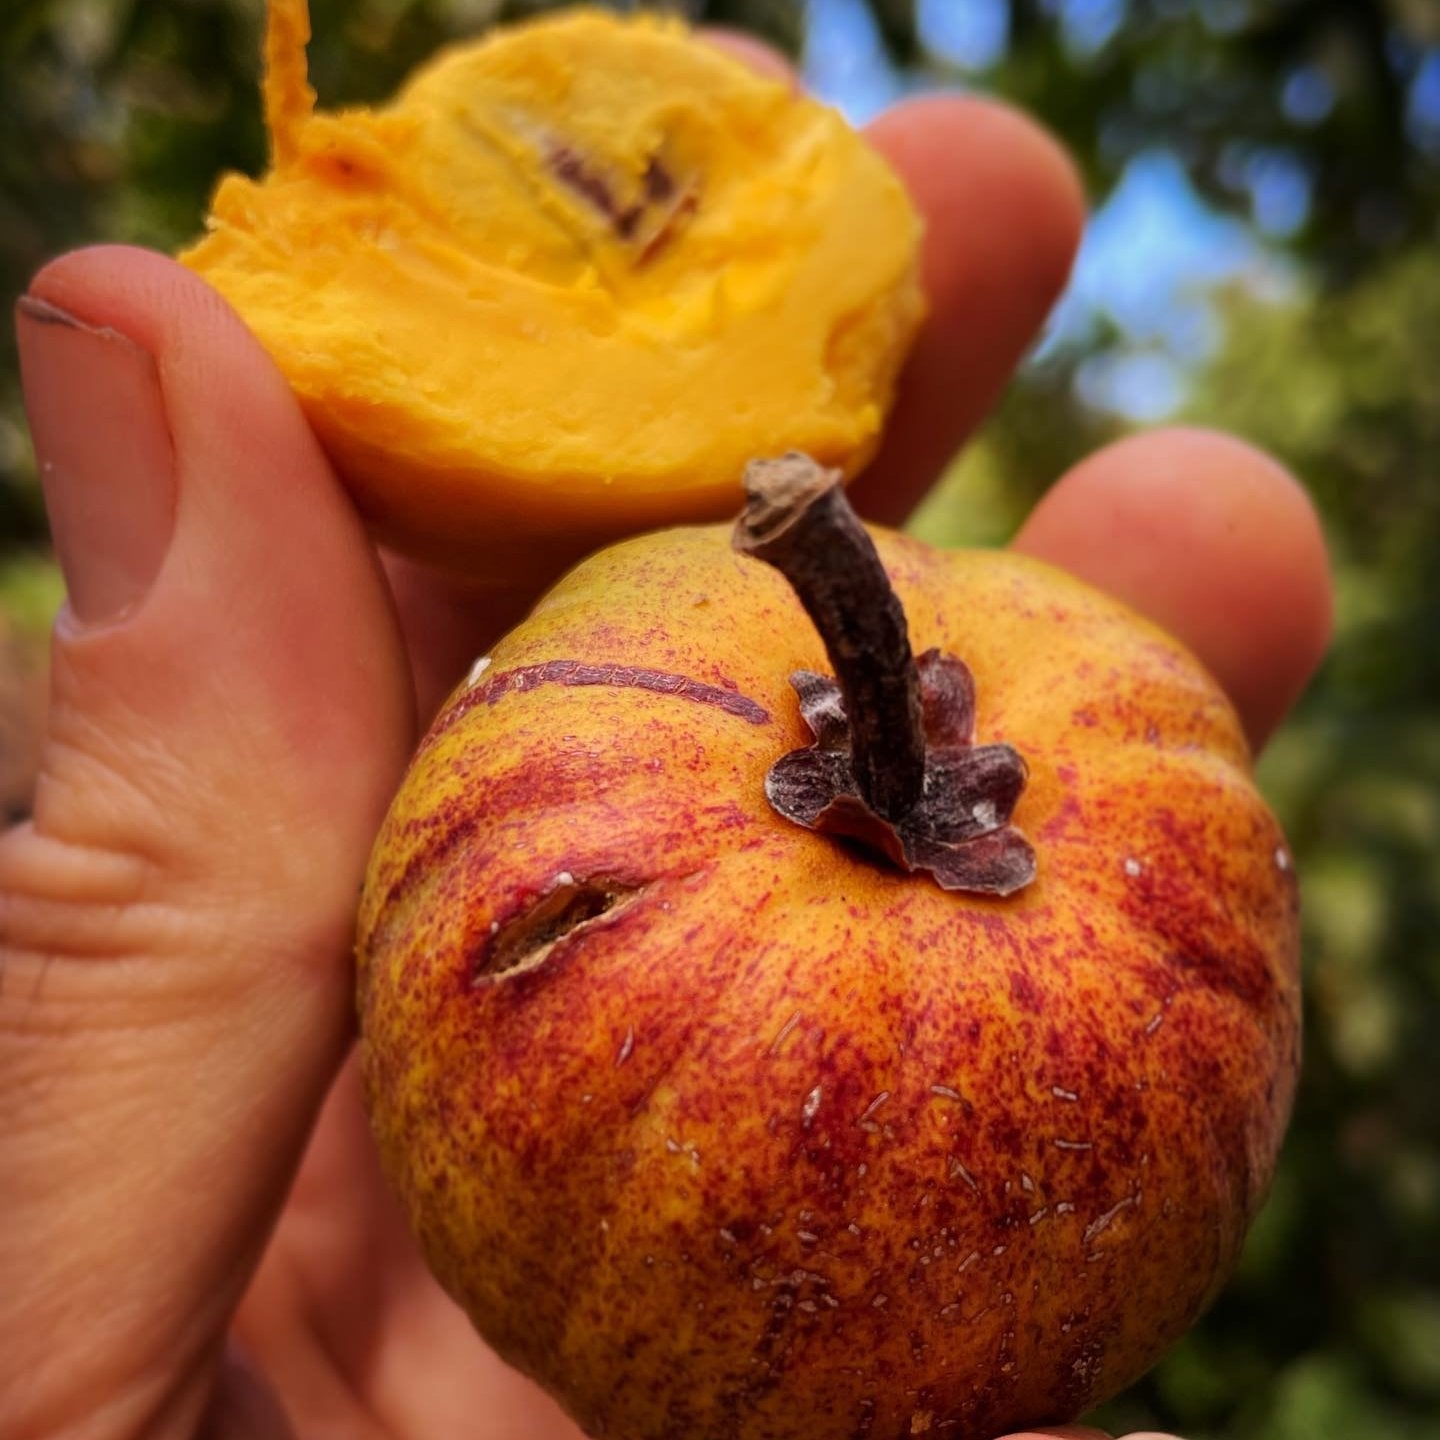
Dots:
pixel 230 713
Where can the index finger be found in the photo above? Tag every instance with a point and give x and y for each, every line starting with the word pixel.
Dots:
pixel 1003 211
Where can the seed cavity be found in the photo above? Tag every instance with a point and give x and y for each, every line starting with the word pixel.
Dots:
pixel 647 219
pixel 569 908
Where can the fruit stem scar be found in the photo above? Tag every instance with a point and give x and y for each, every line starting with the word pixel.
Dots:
pixel 894 765
pixel 797 519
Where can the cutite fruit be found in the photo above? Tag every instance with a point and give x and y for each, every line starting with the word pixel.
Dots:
pixel 566 284
pixel 728 1128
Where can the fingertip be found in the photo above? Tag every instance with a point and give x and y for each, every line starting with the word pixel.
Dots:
pixel 217 377
pixel 267 563
pixel 145 295
pixel 238 427
pixel 1004 210
pixel 1059 1432
pixel 1215 541
pixel 1009 155
pixel 754 52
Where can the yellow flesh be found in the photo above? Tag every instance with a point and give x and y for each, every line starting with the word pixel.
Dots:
pixel 568 282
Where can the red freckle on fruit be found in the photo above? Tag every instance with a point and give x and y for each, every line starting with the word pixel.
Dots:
pixel 1206 947
pixel 1005 1135
pixel 1025 992
pixel 453 828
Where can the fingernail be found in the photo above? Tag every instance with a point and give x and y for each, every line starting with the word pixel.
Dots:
pixel 107 464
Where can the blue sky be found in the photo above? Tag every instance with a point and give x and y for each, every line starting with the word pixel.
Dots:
pixel 1153 252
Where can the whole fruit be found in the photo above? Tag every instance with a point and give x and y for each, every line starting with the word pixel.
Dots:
pixel 731 1129
pixel 566 283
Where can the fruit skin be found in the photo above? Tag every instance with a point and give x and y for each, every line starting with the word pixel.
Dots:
pixel 566 283
pixel 786 1144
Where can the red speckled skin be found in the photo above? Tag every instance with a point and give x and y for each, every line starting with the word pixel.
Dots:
pixel 787 1146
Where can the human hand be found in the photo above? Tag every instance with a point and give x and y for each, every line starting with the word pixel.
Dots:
pixel 196 1238
pixel 1082 1432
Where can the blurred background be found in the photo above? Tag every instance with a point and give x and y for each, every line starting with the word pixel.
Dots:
pixel 1265 182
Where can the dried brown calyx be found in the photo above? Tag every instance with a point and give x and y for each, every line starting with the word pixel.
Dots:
pixel 894 765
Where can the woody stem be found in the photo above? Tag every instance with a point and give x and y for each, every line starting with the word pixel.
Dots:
pixel 797 519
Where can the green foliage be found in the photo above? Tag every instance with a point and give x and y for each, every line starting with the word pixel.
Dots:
pixel 1344 388
pixel 1038 431
pixel 30 593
